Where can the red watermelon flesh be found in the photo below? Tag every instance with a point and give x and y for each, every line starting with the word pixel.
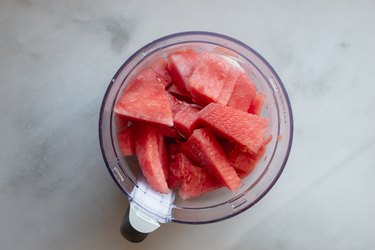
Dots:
pixel 181 65
pixel 150 75
pixel 257 104
pixel 166 131
pixel 176 104
pixel 152 156
pixel 240 159
pixel 126 142
pixel 227 91
pixel 145 99
pixel 213 79
pixel 176 170
pixel 243 93
pixel 197 181
pixel 160 67
pixel 203 149
pixel 161 113
pixel 121 123
pixel 186 120
pixel 244 162
pixel 180 94
pixel 173 148
pixel 245 129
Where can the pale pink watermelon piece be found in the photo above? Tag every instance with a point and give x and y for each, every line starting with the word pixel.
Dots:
pixel 160 67
pixel 243 93
pixel 146 100
pixel 203 149
pixel 186 120
pixel 246 129
pixel 197 181
pixel 126 142
pixel 181 65
pixel 227 91
pixel 152 156
pixel 257 104
pixel 213 79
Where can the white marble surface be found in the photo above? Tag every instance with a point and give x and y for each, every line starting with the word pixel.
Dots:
pixel 56 60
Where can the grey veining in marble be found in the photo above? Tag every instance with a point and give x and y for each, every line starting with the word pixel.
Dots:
pixel 56 60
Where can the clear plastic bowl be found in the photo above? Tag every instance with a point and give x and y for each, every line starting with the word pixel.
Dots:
pixel 220 204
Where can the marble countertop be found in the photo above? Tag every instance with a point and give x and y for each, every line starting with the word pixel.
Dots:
pixel 56 62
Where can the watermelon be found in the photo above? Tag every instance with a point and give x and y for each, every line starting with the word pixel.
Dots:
pixel 169 132
pixel 213 79
pixel 246 129
pixel 243 93
pixel 160 67
pixel 228 89
pixel 203 149
pixel 197 181
pixel 180 94
pixel 176 170
pixel 173 148
pixel 257 104
pixel 145 99
pixel 193 122
pixel 176 104
pixel 186 120
pixel 192 180
pixel 242 161
pixel 152 156
pixel 181 65
pixel 126 142
pixel 121 123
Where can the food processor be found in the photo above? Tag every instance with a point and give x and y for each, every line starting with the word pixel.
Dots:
pixel 149 209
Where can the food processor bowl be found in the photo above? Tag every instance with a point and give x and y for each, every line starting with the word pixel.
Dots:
pixel 149 208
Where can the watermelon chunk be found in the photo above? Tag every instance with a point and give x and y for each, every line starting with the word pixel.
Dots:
pixel 180 94
pixel 160 67
pixel 126 142
pixel 203 149
pixel 243 93
pixel 186 120
pixel 176 170
pixel 170 132
pixel 227 91
pixel 152 156
pixel 173 148
pixel 213 79
pixel 181 65
pixel 244 162
pixel 197 181
pixel 192 180
pixel 145 99
pixel 257 104
pixel 121 123
pixel 176 104
pixel 246 129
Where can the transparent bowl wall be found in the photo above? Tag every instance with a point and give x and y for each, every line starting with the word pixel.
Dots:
pixel 220 204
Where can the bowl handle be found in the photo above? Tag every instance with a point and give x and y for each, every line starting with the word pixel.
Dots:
pixel 135 226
